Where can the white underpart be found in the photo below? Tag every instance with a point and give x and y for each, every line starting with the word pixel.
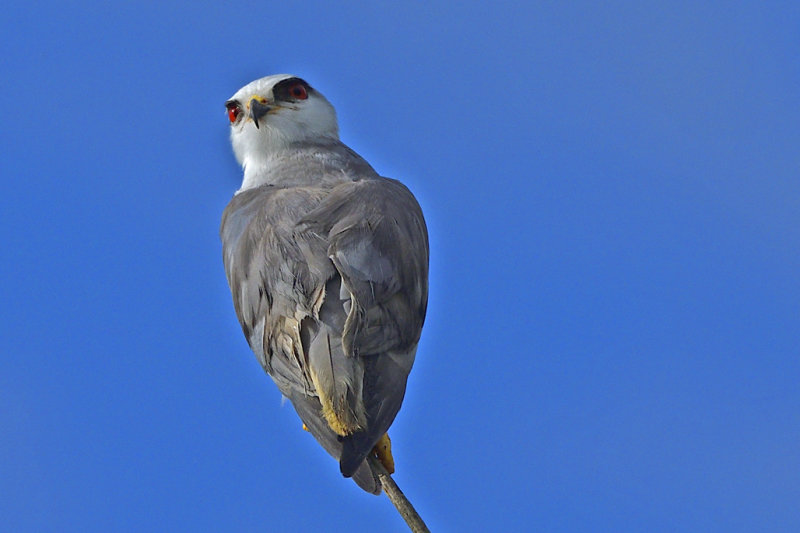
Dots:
pixel 286 124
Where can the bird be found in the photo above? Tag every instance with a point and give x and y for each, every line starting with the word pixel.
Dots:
pixel 327 263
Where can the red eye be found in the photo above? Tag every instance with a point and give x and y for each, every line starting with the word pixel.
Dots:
pixel 233 111
pixel 298 92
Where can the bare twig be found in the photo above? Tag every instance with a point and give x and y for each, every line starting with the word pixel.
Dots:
pixel 397 497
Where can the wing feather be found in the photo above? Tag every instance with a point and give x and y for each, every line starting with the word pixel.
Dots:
pixel 378 243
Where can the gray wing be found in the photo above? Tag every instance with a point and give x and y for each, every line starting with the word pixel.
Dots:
pixel 276 279
pixel 378 243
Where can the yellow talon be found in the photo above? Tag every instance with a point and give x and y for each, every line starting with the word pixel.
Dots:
pixel 305 427
pixel 383 451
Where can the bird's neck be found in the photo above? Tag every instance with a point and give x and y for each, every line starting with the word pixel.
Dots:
pixel 301 165
pixel 259 170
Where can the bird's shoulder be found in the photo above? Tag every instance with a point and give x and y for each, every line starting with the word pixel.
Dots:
pixel 366 201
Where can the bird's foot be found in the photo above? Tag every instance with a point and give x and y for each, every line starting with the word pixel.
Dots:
pixel 383 451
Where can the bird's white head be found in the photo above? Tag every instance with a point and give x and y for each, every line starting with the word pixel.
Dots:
pixel 271 114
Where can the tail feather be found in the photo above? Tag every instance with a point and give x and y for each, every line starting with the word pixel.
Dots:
pixel 309 410
pixel 385 378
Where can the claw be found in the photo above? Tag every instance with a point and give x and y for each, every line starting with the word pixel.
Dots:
pixel 383 451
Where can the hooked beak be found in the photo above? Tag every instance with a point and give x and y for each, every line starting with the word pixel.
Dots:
pixel 258 109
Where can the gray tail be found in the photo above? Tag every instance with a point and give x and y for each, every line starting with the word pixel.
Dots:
pixel 355 449
pixel 308 408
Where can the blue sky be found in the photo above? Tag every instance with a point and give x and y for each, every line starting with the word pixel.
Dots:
pixel 613 332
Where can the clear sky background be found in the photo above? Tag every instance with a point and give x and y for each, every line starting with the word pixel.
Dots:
pixel 612 194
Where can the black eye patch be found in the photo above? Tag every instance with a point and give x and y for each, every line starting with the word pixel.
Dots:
pixel 291 90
